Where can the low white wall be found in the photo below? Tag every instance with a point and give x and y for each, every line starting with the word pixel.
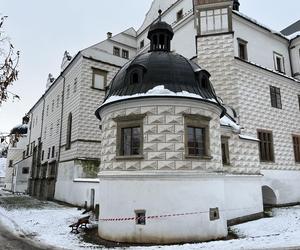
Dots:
pixel 285 184
pixel 120 197
pixel 243 196
pixel 74 190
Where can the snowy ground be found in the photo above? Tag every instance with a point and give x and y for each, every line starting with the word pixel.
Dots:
pixel 48 222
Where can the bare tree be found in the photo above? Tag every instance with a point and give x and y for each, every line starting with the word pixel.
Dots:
pixel 9 60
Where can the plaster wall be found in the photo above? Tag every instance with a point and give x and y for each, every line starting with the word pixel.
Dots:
pixel 163 129
pixel 261 44
pixel 71 188
pixel 295 56
pixel 285 184
pixel 174 194
pixel 243 196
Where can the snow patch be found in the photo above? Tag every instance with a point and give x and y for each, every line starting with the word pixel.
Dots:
pixel 248 137
pixel 226 121
pixel 156 91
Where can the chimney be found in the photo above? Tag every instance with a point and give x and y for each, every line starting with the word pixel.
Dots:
pixel 236 5
pixel 109 35
pixel 50 80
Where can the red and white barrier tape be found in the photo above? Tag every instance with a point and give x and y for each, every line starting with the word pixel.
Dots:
pixel 152 217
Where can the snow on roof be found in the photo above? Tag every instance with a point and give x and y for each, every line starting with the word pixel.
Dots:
pixel 274 71
pixel 227 121
pixel 156 91
pixel 294 35
pixel 259 24
pixel 248 137
pixel 2 167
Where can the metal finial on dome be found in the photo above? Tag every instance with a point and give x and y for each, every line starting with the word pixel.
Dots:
pixel 159 14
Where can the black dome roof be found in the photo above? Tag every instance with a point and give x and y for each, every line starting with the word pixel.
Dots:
pixel 157 68
pixel 161 67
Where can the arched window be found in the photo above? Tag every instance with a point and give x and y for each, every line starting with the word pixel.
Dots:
pixel 135 78
pixel 69 132
pixel 204 82
pixel 161 41
pixel 155 42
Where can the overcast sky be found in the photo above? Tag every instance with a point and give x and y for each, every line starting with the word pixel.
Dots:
pixel 43 30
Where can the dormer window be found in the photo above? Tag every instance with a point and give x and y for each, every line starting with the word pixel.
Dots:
pixel 134 78
pixel 204 82
pixel 135 75
pixel 279 63
pixel 179 15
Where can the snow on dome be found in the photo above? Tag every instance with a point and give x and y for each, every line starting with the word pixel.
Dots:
pixel 156 91
pixel 226 121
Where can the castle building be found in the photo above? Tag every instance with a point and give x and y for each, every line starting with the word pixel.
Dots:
pixel 250 157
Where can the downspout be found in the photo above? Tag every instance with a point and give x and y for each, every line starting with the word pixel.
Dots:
pixel 290 58
pixel 61 122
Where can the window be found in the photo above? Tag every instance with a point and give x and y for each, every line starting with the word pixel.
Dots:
pixel 27 150
pixel 275 97
pixel 279 62
pixel 266 151
pixel 43 155
pixel 214 214
pixel 142 44
pixel 117 51
pixel 214 21
pixel 24 155
pixel 125 53
pixel 296 143
pixel 10 163
pixel 69 132
pixel 25 170
pixel 140 217
pixel 75 85
pixel 225 150
pixel 57 127
pixel 53 152
pixel 57 101
pixel 99 79
pixel 242 49
pixel 68 91
pixel 49 152
pixel 129 135
pixel 197 136
pixel 51 129
pixel 52 107
pixel 204 82
pixel 179 15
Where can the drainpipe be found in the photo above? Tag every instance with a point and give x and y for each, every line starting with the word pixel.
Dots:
pixel 61 122
pixel 292 70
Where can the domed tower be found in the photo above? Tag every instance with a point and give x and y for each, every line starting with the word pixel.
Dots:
pixel 160 172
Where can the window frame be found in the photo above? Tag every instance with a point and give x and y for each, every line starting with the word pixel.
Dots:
pixel 115 53
pixel 225 141
pixel 179 15
pixel 140 221
pixel 275 93
pixel 245 45
pixel 206 16
pixel 282 62
pixel 142 44
pixel 198 121
pixel 101 72
pixel 268 158
pixel 130 121
pixel 296 147
pixel 125 53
